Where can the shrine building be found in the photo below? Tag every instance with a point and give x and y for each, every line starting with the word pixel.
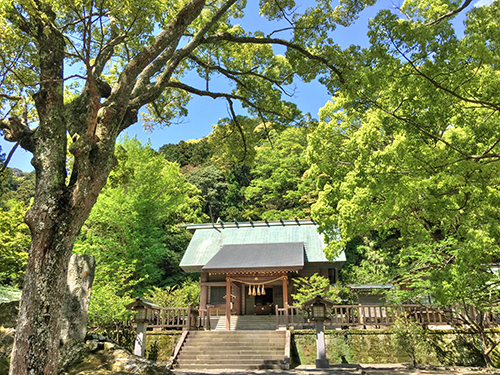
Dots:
pixel 255 263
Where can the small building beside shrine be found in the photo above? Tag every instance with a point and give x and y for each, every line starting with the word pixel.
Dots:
pixel 255 263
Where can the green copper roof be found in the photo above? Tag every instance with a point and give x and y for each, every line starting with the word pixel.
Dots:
pixel 208 239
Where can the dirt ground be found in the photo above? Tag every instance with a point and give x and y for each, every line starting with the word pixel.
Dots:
pixel 349 370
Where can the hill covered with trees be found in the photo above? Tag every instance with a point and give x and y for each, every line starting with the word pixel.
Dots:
pixel 401 170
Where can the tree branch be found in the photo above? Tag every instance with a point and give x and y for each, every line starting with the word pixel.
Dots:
pixel 161 83
pixel 451 13
pixel 169 36
pixel 6 163
pixel 231 74
pixel 215 95
pixel 14 130
pixel 240 130
pixel 254 40
pixel 441 87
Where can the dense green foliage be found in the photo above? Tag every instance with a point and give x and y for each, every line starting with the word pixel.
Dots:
pixel 415 152
pixel 281 184
pixel 132 229
pixel 275 181
pixel 19 186
pixel 180 295
pixel 401 171
pixel 14 243
pixel 309 287
pixel 411 149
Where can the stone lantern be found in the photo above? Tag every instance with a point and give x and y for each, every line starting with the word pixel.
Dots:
pixel 318 307
pixel 145 311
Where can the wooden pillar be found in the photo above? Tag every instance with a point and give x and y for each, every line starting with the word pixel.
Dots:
pixel 204 290
pixel 228 302
pixel 285 289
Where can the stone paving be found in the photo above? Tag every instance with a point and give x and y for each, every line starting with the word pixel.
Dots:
pixel 397 369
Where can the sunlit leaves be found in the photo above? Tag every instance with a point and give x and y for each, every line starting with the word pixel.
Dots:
pixel 15 242
pixel 280 185
pixel 410 146
pixel 131 230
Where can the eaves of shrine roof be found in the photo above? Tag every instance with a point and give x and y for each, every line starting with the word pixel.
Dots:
pixel 209 239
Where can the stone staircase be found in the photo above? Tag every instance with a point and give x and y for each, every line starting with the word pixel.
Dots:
pixel 248 323
pixel 232 350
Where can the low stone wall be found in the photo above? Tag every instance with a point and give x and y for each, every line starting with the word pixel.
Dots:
pixel 161 344
pixel 437 347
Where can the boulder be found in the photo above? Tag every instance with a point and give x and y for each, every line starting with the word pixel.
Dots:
pixel 106 357
pixel 75 310
pixel 6 343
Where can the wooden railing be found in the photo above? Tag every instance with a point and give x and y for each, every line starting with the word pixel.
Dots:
pixel 170 318
pixel 377 315
pixel 340 316
pixel 349 315
pixel 289 316
pixel 204 318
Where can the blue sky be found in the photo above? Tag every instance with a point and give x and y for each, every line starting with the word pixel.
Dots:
pixel 204 112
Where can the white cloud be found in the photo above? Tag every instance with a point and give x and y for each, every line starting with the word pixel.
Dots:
pixel 481 3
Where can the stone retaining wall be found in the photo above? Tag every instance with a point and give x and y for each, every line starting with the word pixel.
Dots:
pixel 441 347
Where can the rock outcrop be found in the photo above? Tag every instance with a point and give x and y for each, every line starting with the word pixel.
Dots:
pixel 6 343
pixel 105 357
pixel 75 310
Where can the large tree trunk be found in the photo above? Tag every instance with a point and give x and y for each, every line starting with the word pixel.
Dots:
pixel 55 220
pixel 59 210
pixel 62 205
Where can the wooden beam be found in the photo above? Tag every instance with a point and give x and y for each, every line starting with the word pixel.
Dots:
pixel 228 302
pixel 203 290
pixel 285 289
pixel 212 283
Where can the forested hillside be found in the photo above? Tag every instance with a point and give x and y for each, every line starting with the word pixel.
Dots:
pixel 401 170
pixel 132 228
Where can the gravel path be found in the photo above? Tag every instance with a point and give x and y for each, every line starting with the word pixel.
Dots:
pixel 397 369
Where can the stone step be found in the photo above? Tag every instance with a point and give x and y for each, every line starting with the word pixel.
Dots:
pixel 231 346
pixel 236 366
pixel 232 349
pixel 236 352
pixel 241 334
pixel 235 340
pixel 229 359
pixel 217 348
pixel 246 322
pixel 235 360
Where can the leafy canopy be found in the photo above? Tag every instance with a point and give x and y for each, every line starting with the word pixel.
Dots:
pixel 411 146
pixel 132 229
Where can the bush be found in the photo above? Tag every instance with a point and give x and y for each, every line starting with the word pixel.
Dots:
pixel 173 296
pixel 411 339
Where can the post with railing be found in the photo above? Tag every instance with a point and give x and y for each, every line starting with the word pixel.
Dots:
pixel 204 315
pixel 287 321
pixel 188 325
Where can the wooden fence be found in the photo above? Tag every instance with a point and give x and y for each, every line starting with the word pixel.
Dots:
pixel 174 318
pixel 377 315
pixel 340 316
